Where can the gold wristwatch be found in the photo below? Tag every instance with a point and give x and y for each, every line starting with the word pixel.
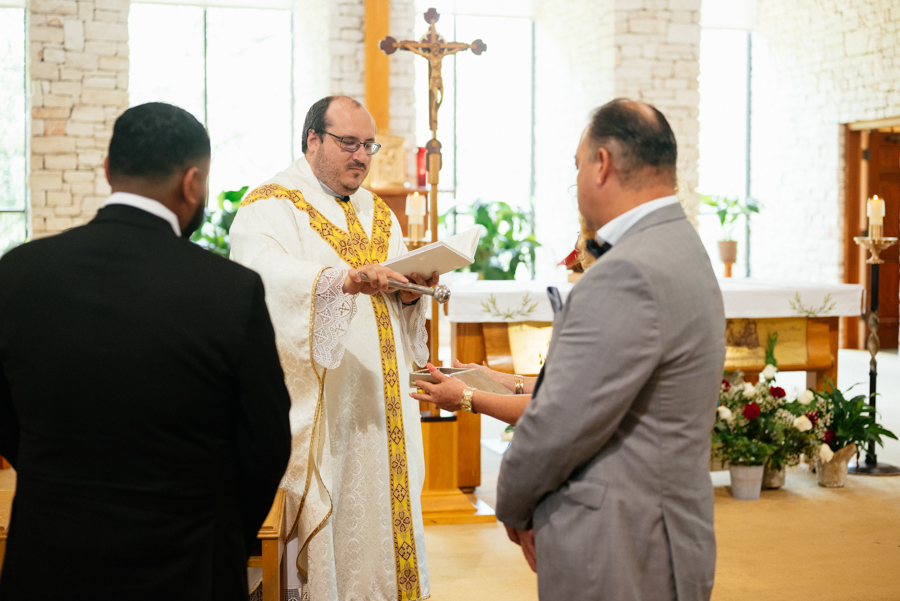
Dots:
pixel 466 402
pixel 520 383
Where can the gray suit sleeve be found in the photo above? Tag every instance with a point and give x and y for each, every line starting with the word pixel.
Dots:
pixel 608 348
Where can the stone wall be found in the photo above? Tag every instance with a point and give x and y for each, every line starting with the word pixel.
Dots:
pixel 817 64
pixel 589 52
pixel 78 65
pixel 658 61
pixel 348 57
pixel 403 80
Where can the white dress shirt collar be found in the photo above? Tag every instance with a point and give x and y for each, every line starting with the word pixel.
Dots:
pixel 154 207
pixel 613 231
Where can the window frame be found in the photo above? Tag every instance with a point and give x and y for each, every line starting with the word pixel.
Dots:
pixel 25 209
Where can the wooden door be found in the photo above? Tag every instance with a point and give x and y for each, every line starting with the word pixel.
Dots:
pixel 884 180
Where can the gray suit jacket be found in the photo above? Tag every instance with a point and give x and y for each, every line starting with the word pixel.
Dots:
pixel 610 462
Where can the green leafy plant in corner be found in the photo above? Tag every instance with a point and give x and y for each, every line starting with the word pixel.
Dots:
pixel 728 210
pixel 850 420
pixel 213 234
pixel 508 241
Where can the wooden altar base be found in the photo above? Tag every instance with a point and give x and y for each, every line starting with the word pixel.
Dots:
pixel 442 501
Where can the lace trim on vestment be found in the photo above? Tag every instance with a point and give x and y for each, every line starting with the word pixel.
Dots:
pixel 334 311
pixel 419 338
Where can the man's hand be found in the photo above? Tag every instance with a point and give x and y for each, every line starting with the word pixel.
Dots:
pixel 525 539
pixel 446 394
pixel 378 280
pixel 408 296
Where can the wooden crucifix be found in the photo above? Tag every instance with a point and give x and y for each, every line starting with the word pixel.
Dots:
pixel 433 47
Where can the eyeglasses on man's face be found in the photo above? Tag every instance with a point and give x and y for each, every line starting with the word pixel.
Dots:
pixel 352 144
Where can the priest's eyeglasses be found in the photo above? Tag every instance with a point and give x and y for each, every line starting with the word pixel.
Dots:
pixel 352 144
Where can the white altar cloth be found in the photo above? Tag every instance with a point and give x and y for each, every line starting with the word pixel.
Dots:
pixel 497 301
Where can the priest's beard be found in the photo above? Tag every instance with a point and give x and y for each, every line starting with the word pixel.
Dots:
pixel 330 173
pixel 196 221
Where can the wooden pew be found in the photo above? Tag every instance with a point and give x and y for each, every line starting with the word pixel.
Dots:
pixel 272 533
pixel 6 497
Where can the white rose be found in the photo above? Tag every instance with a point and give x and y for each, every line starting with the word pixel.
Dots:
pixel 806 397
pixel 825 453
pixel 803 424
pixel 769 372
pixel 724 412
pixel 749 390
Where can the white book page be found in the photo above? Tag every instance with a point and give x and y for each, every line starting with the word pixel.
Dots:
pixel 442 256
pixel 466 242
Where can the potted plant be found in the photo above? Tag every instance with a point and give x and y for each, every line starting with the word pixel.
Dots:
pixel 759 427
pixel 214 231
pixel 739 434
pixel 728 210
pixel 508 240
pixel 847 425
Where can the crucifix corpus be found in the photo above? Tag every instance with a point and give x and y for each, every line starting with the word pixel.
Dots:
pixel 434 47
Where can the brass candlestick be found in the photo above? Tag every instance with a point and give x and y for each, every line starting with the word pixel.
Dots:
pixel 874 243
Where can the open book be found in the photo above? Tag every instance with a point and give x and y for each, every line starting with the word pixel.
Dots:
pixel 442 256
pixel 474 378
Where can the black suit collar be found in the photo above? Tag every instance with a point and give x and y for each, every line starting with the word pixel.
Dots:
pixel 127 215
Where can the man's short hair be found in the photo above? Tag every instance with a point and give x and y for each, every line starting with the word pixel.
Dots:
pixel 154 141
pixel 634 139
pixel 315 118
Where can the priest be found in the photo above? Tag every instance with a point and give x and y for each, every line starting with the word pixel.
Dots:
pixel 347 345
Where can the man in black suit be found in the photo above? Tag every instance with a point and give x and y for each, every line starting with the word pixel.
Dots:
pixel 142 401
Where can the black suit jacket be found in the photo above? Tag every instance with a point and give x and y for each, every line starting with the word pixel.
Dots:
pixel 144 408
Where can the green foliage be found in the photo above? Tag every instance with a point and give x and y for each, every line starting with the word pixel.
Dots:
pixel 853 420
pixel 728 210
pixel 741 450
pixel 508 240
pixel 770 349
pixel 213 234
pixel 756 424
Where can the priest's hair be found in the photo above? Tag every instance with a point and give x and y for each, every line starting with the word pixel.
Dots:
pixel 155 141
pixel 637 136
pixel 316 119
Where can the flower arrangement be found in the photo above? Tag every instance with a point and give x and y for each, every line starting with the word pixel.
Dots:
pixel 843 422
pixel 757 424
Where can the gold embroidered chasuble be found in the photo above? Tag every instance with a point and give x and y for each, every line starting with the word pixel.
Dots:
pixel 357 465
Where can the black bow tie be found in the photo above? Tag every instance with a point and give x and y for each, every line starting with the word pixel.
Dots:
pixel 596 249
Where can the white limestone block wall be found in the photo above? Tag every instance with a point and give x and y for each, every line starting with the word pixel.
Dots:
pixel 78 65
pixel 658 61
pixel 348 61
pixel 589 52
pixel 348 57
pixel 403 80
pixel 817 64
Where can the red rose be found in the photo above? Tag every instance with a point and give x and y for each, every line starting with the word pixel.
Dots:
pixel 813 416
pixel 828 437
pixel 751 410
pixel 777 392
pixel 726 385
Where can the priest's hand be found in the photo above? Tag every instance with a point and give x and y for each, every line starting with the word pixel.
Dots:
pixel 409 297
pixel 378 279
pixel 525 539
pixel 446 393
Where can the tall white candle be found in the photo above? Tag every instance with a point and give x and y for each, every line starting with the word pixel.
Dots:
pixel 415 205
pixel 875 212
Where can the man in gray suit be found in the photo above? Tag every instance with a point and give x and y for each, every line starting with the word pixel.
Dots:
pixel 606 484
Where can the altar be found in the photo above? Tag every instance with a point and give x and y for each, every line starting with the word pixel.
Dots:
pixel 507 325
